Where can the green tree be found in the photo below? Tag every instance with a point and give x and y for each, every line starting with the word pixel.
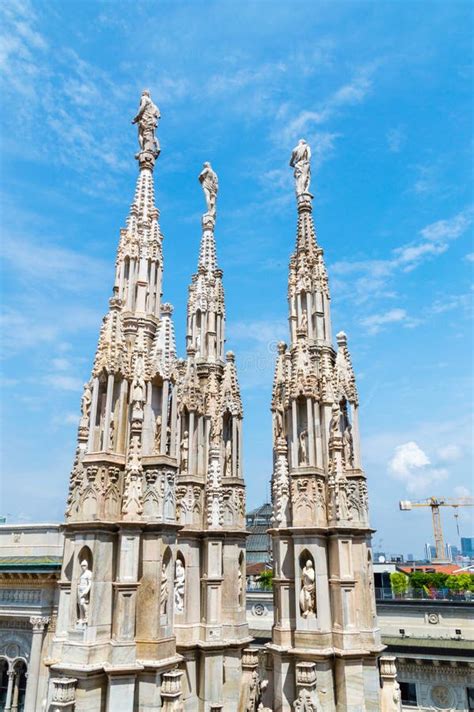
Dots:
pixel 266 580
pixel 399 583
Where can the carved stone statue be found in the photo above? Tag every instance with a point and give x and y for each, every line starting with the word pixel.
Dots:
pixel 147 119
pixel 303 447
pixel 210 186
pixel 86 400
pixel 304 320
pixel 279 421
pixel 308 590
pixel 179 581
pixel 335 422
pixel 158 433
pixel 184 451
pixel 300 161
pixel 83 592
pixel 164 591
pixel 306 702
pixel 348 445
pixel 228 458
pixel 256 689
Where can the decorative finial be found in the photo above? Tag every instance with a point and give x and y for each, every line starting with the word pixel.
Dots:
pixel 210 185
pixel 300 161
pixel 147 119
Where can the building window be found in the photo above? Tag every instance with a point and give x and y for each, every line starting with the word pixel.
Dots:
pixel 408 691
pixel 470 698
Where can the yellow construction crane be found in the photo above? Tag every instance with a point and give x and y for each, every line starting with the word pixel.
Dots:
pixel 435 503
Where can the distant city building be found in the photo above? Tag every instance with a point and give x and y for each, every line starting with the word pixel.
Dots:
pixel 410 557
pixel 467 546
pixel 430 552
pixel 455 551
pixel 259 545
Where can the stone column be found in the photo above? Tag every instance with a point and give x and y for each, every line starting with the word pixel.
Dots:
pixel 8 699
pixel 309 409
pixel 390 696
pixel 38 623
pixel 108 411
pixel 93 414
pixel 164 416
pixel 171 691
pixel 16 691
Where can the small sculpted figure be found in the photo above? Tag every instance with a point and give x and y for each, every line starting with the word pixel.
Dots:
pixel 348 445
pixel 210 186
pixel 158 433
pixel 304 320
pixel 164 591
pixel 83 592
pixel 279 421
pixel 86 400
pixel 179 581
pixel 184 452
pixel 308 594
pixel 335 422
pixel 300 161
pixel 303 449
pixel 228 459
pixel 147 119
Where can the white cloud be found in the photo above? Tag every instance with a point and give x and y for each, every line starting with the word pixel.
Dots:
pixel 445 230
pixel 375 323
pixel 469 257
pixel 412 466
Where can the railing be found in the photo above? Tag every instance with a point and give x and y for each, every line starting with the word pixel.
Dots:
pixel 442 594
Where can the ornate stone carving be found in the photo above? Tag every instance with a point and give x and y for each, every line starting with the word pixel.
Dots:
pixel 38 623
pixel 164 590
pixel 132 497
pixel 83 593
pixel 300 161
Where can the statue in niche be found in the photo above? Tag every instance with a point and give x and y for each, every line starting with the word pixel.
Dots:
pixel 279 421
pixel 303 447
pixel 158 433
pixel 343 503
pixel 179 581
pixel 304 321
pixel 348 445
pixel 147 119
pixel 256 689
pixel 164 591
pixel 86 401
pixel 184 451
pixel 83 593
pixel 228 458
pixel 168 440
pixel 240 588
pixel 111 431
pixel 300 161
pixel 308 590
pixel 210 185
pixel 335 422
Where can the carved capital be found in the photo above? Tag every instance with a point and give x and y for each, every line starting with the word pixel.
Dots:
pixel 39 622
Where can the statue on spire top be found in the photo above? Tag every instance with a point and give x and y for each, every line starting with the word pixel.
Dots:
pixel 300 161
pixel 147 119
pixel 210 186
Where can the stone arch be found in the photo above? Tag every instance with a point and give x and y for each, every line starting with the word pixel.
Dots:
pixel 85 554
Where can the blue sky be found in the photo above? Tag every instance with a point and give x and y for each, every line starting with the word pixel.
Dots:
pixel 381 90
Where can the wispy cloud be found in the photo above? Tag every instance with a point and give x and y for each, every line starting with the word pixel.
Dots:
pixel 376 322
pixel 373 277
